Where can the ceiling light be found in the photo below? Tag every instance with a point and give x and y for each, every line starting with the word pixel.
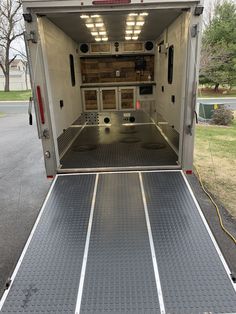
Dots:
pixel 89 25
pixel 143 14
pixel 140 23
pixel 95 16
pixel 130 23
pixel 83 16
pixel 128 38
pixel 133 14
pixel 94 33
pixel 99 24
pixel 98 38
pixel 103 33
pixel 134 37
pixel 104 38
pixel 129 31
pixel 137 31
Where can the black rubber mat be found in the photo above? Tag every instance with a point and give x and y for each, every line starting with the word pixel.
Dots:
pixel 119 276
pixel 48 278
pixel 119 146
pixel 192 275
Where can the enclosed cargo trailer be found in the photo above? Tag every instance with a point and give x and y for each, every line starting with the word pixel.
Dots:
pixel 114 84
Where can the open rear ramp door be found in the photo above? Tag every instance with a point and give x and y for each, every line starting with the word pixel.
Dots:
pixel 121 243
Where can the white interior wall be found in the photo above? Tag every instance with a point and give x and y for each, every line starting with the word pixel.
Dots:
pixel 175 35
pixel 58 47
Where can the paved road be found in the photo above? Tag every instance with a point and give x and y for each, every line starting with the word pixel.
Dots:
pixel 14 107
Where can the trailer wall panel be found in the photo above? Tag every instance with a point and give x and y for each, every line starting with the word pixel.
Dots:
pixel 174 35
pixel 58 47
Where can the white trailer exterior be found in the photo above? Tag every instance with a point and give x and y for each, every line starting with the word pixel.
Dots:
pixel 56 31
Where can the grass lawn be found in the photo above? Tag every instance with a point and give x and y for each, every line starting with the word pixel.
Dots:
pixel 215 158
pixel 15 95
pixel 210 93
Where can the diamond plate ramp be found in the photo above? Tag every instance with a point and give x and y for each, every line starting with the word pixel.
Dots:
pixel 119 275
pixel 192 275
pixel 48 278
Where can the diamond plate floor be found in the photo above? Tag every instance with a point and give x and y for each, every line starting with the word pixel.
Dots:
pixel 47 281
pixel 119 146
pixel 119 276
pixel 192 275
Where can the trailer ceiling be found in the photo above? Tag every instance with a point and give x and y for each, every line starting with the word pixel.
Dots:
pixel 115 23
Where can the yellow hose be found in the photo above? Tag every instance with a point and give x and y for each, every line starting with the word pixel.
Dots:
pixel 217 208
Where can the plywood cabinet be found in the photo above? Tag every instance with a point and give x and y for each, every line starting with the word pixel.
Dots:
pixel 127 98
pixel 90 99
pixel 109 98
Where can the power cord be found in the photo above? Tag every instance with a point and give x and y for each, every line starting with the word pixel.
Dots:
pixel 216 206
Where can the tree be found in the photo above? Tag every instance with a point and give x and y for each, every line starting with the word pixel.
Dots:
pixel 218 58
pixel 10 29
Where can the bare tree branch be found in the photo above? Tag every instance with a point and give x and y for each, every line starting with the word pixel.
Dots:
pixel 10 29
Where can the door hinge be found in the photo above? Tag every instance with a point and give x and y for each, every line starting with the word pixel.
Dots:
pixel 194 30
pixel 46 134
pixel 31 36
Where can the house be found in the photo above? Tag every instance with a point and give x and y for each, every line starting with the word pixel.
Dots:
pixel 19 76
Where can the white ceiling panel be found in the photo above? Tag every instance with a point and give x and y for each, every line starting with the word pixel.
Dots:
pixel 115 24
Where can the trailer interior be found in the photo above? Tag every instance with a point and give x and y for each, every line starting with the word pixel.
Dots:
pixel 117 87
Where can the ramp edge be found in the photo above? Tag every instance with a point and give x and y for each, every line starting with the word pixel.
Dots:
pixel 226 267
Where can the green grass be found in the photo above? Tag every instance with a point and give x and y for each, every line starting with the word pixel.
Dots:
pixel 210 93
pixel 15 95
pixel 215 158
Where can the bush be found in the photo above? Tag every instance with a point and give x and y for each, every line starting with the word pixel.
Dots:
pixel 222 116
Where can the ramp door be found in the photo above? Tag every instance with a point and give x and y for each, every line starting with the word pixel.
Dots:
pixel 121 243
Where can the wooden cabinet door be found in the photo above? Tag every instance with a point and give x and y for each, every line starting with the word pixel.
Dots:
pixel 127 98
pixel 90 99
pixel 108 98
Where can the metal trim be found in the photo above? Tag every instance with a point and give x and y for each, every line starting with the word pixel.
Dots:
pixel 86 249
pixel 154 260
pixel 117 169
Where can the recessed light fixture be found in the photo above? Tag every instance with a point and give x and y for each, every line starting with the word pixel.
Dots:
pixel 143 14
pixel 99 24
pixel 133 14
pixel 137 31
pixel 130 23
pixel 89 25
pixel 104 38
pixel 103 33
pixel 140 23
pixel 94 16
pixel 94 33
pixel 129 31
pixel 134 37
pixel 84 16
pixel 128 38
pixel 98 38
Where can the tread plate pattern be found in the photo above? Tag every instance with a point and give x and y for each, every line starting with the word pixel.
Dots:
pixel 112 150
pixel 48 278
pixel 119 275
pixel 192 275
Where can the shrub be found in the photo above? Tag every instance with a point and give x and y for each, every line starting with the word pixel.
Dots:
pixel 222 116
